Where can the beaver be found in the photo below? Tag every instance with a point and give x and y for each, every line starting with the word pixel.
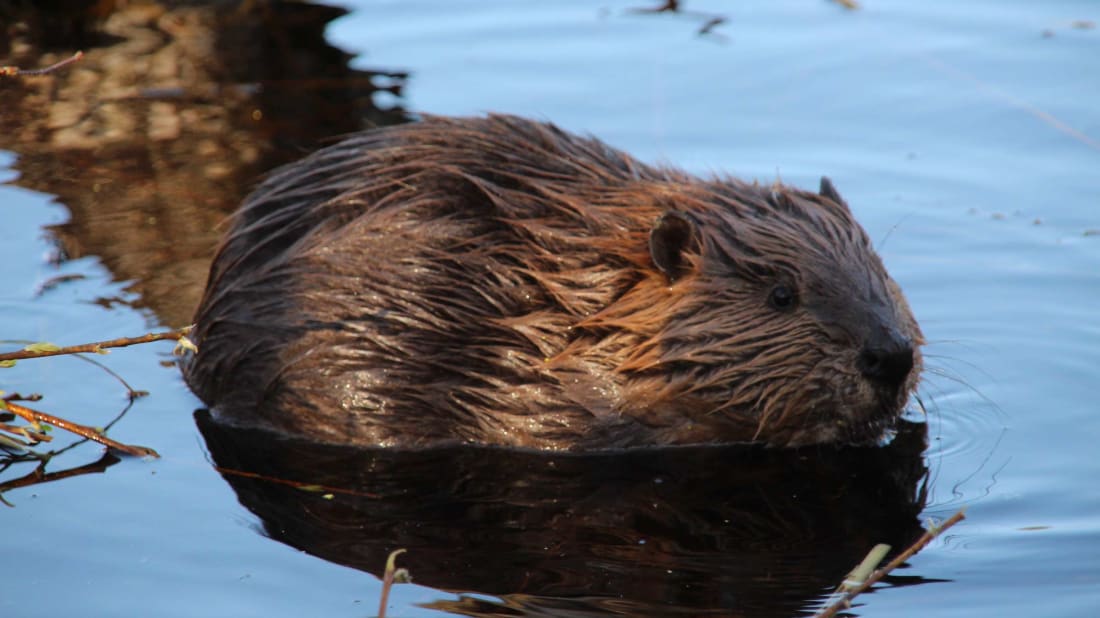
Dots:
pixel 498 280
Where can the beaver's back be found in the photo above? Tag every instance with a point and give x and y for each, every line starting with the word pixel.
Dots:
pixel 386 289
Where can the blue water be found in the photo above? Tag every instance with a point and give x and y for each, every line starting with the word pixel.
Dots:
pixel 965 141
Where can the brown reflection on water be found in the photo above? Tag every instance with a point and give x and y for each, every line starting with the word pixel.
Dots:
pixel 173 114
pixel 724 531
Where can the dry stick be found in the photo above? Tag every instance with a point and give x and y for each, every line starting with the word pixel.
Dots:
pixel 97 348
pixel 34 436
pixel 21 397
pixel 669 6
pixel 131 392
pixel 712 23
pixel 83 431
pixel 10 71
pixel 90 433
pixel 846 601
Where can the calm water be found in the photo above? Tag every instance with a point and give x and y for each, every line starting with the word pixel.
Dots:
pixel 965 136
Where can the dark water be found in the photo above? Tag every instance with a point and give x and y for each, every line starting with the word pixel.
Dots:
pixel 966 137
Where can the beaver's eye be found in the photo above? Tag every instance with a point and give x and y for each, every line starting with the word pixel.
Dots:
pixel 782 298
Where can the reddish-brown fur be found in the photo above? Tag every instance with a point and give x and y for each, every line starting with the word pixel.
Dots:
pixel 498 280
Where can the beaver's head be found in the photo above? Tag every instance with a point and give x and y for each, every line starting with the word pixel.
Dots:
pixel 781 315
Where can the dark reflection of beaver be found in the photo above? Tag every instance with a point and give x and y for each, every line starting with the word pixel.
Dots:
pixel 715 530
pixel 498 280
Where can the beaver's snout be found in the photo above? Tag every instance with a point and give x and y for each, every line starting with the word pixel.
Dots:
pixel 888 361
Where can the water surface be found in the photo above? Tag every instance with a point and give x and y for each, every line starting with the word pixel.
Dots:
pixel 965 137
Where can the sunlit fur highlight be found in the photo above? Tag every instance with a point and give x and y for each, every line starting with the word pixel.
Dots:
pixel 489 280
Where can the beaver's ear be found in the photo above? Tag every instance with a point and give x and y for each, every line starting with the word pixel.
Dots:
pixel 829 190
pixel 669 238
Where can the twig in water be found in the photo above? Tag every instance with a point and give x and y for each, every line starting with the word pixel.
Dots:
pixel 12 71
pixel 668 6
pixel 43 350
pixel 91 433
pixel 845 601
pixel 712 23
pixel 35 433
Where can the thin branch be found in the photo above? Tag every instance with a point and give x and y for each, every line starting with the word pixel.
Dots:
pixel 131 392
pixel 13 71
pixel 845 601
pixel 20 397
pixel 91 433
pixel 32 436
pixel 41 351
pixel 668 6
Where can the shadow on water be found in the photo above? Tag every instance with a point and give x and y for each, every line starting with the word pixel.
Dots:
pixel 170 118
pixel 686 531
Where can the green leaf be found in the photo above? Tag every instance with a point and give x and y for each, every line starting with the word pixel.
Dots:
pixel 42 346
pixel 7 363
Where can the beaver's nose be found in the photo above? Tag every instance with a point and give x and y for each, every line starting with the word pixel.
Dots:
pixel 887 362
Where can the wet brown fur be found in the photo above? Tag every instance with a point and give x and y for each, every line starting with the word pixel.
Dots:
pixel 490 280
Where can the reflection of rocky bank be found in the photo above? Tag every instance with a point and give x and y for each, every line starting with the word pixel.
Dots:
pixel 169 119
pixel 691 531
